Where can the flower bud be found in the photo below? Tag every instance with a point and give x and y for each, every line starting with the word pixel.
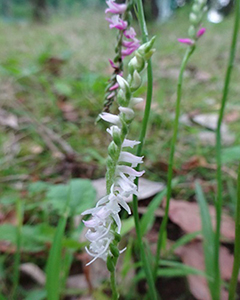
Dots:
pixel 136 63
pixel 121 98
pixel 114 250
pixel 110 163
pixel 117 237
pixel 136 81
pixel 196 8
pixel 110 264
pixel 117 137
pixel 193 18
pixel 145 48
pixel 192 32
pixel 113 151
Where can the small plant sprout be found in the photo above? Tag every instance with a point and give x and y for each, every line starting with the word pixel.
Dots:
pixel 120 19
pixel 105 224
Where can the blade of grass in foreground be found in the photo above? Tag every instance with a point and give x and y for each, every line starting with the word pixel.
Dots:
pixel 17 256
pixel 236 264
pixel 53 283
pixel 54 263
pixel 208 240
pixel 219 201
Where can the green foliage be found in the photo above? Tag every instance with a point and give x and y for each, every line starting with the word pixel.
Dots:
pixel 208 240
pixel 231 154
pixel 80 192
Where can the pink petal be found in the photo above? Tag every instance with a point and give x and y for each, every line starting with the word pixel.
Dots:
pixel 201 31
pixel 114 87
pixel 186 41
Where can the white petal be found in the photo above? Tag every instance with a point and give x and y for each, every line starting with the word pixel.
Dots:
pixel 129 113
pixel 130 158
pixel 102 201
pixel 118 222
pixel 122 83
pixel 113 129
pixel 111 118
pixel 124 205
pixel 130 171
pixel 135 101
pixel 129 143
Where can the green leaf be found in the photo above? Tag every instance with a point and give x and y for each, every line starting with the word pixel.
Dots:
pixel 53 283
pixel 127 225
pixel 184 240
pixel 208 237
pixel 148 218
pixel 82 196
pixel 174 269
pixel 36 295
pixel 38 187
pixel 231 154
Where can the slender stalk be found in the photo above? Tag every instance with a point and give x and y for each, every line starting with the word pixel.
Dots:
pixel 17 257
pixel 219 200
pixel 145 261
pixel 236 264
pixel 171 159
pixel 115 295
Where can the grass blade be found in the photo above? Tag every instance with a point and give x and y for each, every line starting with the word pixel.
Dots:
pixel 53 283
pixel 236 264
pixel 208 239
pixel 148 218
pixel 184 240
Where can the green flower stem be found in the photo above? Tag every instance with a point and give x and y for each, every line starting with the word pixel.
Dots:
pixel 236 264
pixel 219 200
pixel 145 261
pixel 163 227
pixel 115 295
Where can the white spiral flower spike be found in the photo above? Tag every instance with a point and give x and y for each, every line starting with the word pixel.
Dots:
pixel 104 226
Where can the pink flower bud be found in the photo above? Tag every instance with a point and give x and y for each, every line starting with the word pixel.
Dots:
pixel 200 32
pixel 186 41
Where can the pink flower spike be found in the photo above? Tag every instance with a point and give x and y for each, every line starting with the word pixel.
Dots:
pixel 186 41
pixel 115 8
pixel 130 33
pixel 114 87
pixel 117 22
pixel 201 31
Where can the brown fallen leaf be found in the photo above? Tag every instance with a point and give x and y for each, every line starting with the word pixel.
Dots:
pixel 194 162
pixel 8 119
pixel 233 116
pixel 187 216
pixel 69 112
pixel 192 255
pixel 8 217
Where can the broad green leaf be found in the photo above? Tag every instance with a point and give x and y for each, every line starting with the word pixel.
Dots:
pixel 231 154
pixel 38 187
pixel 82 196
